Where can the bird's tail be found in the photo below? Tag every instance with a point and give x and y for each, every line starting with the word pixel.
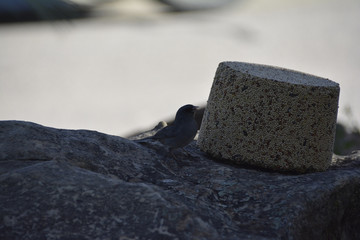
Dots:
pixel 144 140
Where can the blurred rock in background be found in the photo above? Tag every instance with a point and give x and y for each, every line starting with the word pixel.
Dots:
pixel 37 10
pixel 346 140
pixel 45 10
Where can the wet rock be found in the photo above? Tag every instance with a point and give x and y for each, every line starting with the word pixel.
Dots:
pixel 79 184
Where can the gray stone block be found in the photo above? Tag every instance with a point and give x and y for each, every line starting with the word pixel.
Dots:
pixel 270 117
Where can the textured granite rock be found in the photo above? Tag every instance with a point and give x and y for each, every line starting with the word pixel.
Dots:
pixel 270 117
pixel 67 184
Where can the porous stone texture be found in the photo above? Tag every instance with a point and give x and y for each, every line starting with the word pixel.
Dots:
pixel 79 184
pixel 270 117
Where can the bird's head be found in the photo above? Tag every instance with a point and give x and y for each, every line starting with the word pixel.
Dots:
pixel 187 110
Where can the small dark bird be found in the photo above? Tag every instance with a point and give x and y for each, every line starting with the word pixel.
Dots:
pixel 181 132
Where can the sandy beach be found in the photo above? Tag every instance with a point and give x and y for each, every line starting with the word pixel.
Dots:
pixel 138 65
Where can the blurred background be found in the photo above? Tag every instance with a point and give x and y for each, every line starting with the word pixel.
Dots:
pixel 122 66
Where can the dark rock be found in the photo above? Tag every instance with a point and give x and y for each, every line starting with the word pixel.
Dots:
pixel 67 184
pixel 23 10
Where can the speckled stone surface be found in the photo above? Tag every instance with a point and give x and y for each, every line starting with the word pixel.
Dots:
pixel 270 117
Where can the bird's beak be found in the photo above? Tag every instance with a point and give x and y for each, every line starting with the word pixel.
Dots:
pixel 195 108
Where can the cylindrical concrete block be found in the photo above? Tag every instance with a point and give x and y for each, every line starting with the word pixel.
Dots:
pixel 270 117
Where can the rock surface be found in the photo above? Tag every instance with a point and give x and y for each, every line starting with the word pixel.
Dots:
pixel 67 184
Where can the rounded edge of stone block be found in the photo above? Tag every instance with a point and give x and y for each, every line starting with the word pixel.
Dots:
pixel 270 117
